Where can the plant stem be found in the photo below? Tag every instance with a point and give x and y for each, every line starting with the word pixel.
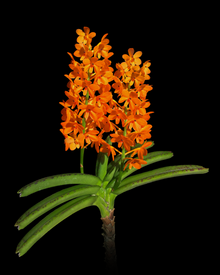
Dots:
pixel 81 160
pixel 82 149
pixel 118 181
pixel 108 227
pixel 84 126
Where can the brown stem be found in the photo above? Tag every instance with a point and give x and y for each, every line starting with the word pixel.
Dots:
pixel 108 226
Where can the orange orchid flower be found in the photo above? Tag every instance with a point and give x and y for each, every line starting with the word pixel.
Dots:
pixel 88 137
pixel 101 102
pixel 142 134
pixel 73 100
pixel 100 78
pixel 102 48
pixel 85 37
pixel 106 124
pixel 130 98
pixel 86 85
pixel 98 142
pixel 146 116
pixel 136 122
pixel 74 127
pixel 65 104
pixel 141 150
pixel 136 163
pixel 91 63
pixel 132 58
pixel 117 115
pixel 145 70
pixel 68 114
pixel 141 109
pixel 142 90
pixel 132 76
pixel 118 86
pixel 71 142
pixel 121 69
pixel 77 72
pixel 82 51
pixel 121 139
pixel 99 109
pixel 90 110
pixel 103 98
pixel 107 148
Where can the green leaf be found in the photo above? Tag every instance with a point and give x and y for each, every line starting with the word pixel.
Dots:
pixel 57 180
pixel 102 162
pixel 51 220
pixel 110 175
pixel 149 158
pixel 159 174
pixel 52 201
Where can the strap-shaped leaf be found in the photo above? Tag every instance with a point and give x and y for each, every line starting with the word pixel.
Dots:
pixel 51 220
pixel 52 201
pixel 57 180
pixel 150 158
pixel 102 162
pixel 159 174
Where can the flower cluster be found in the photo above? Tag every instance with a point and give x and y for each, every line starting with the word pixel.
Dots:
pixel 91 108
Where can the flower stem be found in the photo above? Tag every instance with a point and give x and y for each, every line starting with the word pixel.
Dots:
pixel 82 149
pixel 81 160
pixel 84 126
pixel 118 181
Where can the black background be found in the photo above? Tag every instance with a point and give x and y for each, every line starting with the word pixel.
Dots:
pixel 160 225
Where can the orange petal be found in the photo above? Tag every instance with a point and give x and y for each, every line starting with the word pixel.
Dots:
pixel 137 54
pixel 80 32
pixel 94 87
pixel 131 51
pixel 92 34
pixel 86 61
pixel 86 30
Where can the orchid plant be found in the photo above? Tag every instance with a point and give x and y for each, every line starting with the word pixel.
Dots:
pixel 89 112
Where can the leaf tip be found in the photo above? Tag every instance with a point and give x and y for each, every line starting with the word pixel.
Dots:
pixel 17 225
pixel 20 194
